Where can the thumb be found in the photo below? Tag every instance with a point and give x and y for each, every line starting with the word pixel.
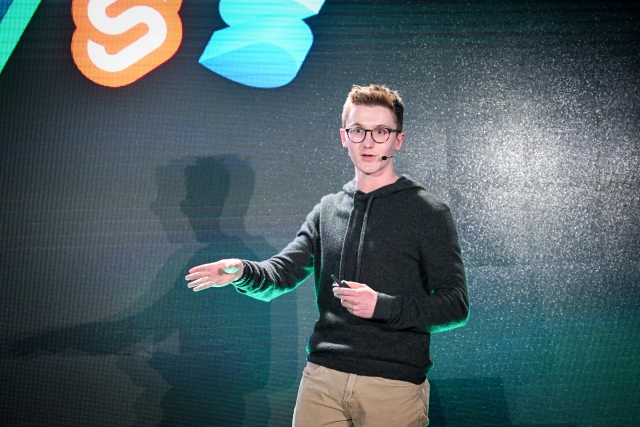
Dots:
pixel 231 266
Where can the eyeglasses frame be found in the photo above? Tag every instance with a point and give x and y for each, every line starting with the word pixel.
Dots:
pixel 390 130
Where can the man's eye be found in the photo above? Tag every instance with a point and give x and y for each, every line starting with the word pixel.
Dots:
pixel 380 131
pixel 356 131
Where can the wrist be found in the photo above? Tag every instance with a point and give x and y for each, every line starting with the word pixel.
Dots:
pixel 242 275
pixel 383 307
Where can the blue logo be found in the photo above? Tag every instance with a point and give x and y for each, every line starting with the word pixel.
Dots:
pixel 266 41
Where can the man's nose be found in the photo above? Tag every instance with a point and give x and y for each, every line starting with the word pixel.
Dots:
pixel 368 140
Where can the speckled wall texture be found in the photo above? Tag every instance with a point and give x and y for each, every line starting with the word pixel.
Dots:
pixel 523 116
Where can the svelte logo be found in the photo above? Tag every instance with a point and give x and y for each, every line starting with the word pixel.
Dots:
pixel 116 42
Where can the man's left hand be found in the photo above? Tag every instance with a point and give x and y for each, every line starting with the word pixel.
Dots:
pixel 359 299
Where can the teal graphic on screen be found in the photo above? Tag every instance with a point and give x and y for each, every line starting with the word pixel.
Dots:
pixel 14 17
pixel 265 43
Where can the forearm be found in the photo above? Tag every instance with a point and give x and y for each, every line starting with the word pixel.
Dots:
pixel 441 311
pixel 269 279
pixel 281 273
pixel 442 303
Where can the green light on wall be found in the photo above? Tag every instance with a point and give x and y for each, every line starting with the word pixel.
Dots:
pixel 12 24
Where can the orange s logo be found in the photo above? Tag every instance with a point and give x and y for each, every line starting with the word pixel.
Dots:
pixel 118 41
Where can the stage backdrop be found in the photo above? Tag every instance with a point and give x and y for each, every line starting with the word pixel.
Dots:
pixel 141 138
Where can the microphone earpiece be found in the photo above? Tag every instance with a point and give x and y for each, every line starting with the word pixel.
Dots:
pixel 385 157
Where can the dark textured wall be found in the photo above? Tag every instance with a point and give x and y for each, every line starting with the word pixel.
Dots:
pixel 523 116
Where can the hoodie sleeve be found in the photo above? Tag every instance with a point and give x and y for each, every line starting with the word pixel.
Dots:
pixel 446 304
pixel 283 272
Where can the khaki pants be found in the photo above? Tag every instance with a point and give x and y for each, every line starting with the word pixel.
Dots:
pixel 332 398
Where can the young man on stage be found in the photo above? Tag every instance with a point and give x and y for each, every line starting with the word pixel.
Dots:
pixel 388 272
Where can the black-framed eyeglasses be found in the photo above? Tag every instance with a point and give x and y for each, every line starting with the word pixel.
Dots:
pixel 380 134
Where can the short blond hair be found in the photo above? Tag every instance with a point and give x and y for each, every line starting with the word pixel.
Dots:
pixel 375 95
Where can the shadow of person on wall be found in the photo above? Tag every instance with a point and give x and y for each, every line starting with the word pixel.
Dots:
pixel 195 357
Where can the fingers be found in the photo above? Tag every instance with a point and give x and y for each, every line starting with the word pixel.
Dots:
pixel 356 285
pixel 347 304
pixel 203 286
pixel 226 266
pixel 217 274
pixel 360 302
pixel 202 277
pixel 199 271
pixel 346 296
pixel 345 292
pixel 201 283
pixel 354 308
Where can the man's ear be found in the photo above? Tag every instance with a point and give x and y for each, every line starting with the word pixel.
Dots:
pixel 399 140
pixel 343 137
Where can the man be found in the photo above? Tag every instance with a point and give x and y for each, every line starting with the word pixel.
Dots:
pixel 396 248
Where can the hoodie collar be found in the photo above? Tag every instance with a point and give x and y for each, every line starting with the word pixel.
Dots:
pixel 403 183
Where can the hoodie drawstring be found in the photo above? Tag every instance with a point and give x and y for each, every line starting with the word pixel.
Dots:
pixel 362 233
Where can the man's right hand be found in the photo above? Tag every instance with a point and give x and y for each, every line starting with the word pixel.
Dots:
pixel 219 273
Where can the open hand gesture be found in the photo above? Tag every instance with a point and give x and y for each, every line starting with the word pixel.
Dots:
pixel 219 273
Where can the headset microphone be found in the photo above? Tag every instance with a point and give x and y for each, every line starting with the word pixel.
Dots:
pixel 385 157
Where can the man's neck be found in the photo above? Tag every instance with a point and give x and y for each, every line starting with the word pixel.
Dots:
pixel 368 183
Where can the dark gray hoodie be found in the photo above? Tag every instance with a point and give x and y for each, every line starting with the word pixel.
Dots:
pixel 400 241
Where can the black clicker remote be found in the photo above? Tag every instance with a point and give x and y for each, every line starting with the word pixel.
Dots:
pixel 338 282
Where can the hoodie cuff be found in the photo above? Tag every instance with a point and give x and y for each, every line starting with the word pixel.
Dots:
pixel 384 306
pixel 243 280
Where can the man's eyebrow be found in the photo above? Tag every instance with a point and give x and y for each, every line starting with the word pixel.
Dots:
pixel 379 125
